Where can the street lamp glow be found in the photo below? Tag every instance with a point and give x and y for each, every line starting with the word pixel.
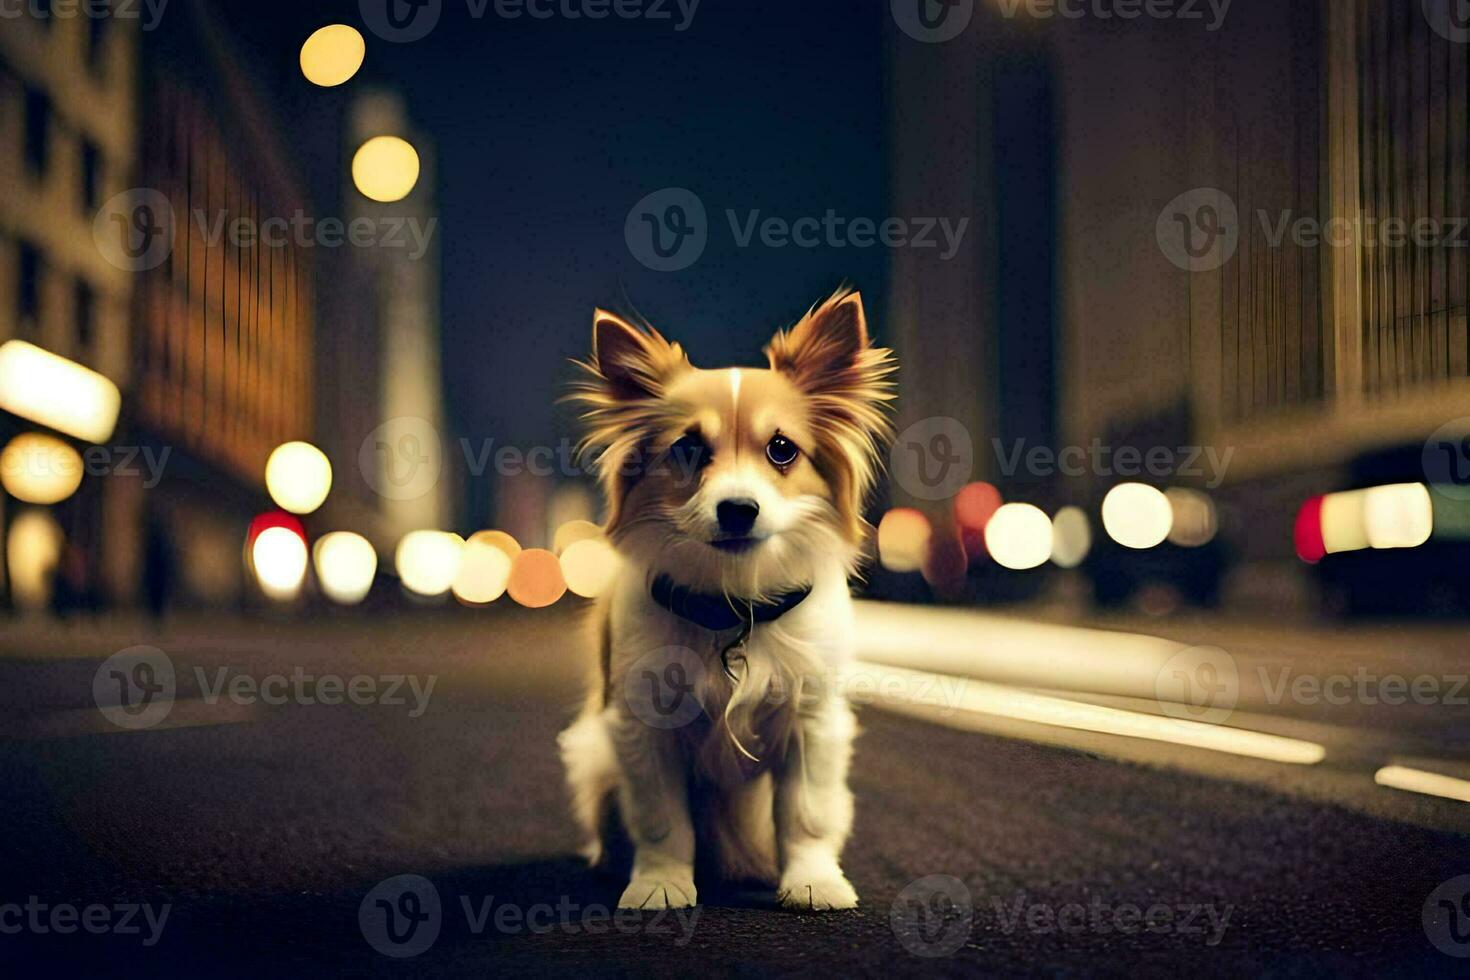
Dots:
pixel 40 469
pixel 1398 516
pixel 573 531
pixel 345 566
pixel 903 539
pixel 332 55
pixel 588 566
pixel 279 559
pixel 1194 518
pixel 1071 537
pixel 52 391
pixel 428 561
pixel 33 551
pixel 1019 536
pixel 484 571
pixel 1137 515
pixel 298 476
pixel 385 168
pixel 536 579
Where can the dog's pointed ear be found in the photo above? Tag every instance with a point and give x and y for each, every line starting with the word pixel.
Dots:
pixel 633 363
pixel 829 352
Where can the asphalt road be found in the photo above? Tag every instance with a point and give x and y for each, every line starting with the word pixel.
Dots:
pixel 267 832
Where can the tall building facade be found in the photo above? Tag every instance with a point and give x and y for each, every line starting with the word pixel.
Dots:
pixel 68 144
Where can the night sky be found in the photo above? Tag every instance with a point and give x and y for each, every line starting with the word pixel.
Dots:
pixel 547 132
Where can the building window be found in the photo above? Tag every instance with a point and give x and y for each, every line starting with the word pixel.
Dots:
pixel 91 175
pixel 38 130
pixel 28 293
pixel 86 312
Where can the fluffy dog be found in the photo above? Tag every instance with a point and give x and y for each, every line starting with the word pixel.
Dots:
pixel 718 724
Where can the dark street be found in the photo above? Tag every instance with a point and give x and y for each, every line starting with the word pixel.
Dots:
pixel 262 830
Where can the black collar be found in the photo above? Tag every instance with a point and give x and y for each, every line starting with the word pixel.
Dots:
pixel 717 612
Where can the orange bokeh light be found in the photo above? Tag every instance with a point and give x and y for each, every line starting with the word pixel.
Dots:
pixel 536 579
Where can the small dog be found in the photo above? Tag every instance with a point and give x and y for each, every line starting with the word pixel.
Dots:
pixel 734 498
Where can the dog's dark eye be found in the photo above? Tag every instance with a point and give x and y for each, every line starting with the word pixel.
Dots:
pixel 781 451
pixel 691 452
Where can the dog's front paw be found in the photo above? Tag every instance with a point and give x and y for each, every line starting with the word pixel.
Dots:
pixel 650 892
pixel 821 894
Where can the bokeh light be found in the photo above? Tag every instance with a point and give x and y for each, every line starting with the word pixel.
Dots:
pixel 298 477
pixel 1342 526
pixel 498 539
pixel 1019 536
pixel 428 561
pixel 1307 532
pixel 973 507
pixel 385 168
pixel 588 565
pixel 346 564
pixel 33 551
pixel 1194 518
pixel 60 394
pixel 484 572
pixel 1398 516
pixel 903 539
pixel 40 469
pixel 536 579
pixel 1137 515
pixel 332 55
pixel 573 531
pixel 279 559
pixel 1071 534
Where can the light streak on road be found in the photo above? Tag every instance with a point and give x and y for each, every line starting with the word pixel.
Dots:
pixel 1421 781
pixel 997 700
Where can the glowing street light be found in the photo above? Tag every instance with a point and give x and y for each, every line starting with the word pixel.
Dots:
pixel 52 391
pixel 345 566
pixel 298 476
pixel 484 571
pixel 385 168
pixel 1137 515
pixel 1019 536
pixel 428 561
pixel 332 55
pixel 279 558
pixel 40 469
pixel 588 566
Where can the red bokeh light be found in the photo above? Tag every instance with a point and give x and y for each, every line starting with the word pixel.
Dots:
pixel 1310 546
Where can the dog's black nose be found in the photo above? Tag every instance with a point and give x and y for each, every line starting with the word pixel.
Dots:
pixel 737 516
